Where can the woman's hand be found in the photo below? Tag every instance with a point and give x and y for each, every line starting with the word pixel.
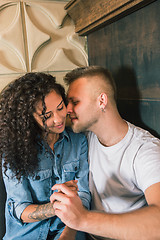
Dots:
pixel 68 206
pixel 72 185
pixel 68 234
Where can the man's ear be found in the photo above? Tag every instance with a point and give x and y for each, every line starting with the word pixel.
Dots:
pixel 103 99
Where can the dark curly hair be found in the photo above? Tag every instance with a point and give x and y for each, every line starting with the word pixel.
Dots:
pixel 18 129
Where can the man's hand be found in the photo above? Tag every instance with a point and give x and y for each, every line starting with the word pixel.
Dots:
pixel 68 206
pixel 72 185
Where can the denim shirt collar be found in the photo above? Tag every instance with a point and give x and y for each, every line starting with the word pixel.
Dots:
pixel 62 135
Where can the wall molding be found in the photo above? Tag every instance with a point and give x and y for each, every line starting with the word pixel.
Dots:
pixel 88 15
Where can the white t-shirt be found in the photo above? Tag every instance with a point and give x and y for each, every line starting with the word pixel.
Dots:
pixel 120 174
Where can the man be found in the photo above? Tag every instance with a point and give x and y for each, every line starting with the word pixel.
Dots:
pixel 124 165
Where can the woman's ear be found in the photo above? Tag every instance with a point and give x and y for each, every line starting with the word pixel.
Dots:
pixel 103 99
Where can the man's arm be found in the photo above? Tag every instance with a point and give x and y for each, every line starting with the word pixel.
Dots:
pixel 139 224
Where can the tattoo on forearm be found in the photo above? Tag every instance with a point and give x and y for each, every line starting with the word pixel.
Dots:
pixel 42 212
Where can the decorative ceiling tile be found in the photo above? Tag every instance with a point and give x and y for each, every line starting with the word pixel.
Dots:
pixel 79 43
pixel 11 43
pixel 55 11
pixel 6 79
pixel 59 59
pixel 35 39
pixel 38 35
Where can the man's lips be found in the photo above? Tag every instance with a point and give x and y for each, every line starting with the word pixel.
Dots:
pixel 73 119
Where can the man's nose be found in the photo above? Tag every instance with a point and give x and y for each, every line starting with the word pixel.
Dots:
pixel 69 108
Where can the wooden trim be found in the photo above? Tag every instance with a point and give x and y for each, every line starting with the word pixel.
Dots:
pixel 89 15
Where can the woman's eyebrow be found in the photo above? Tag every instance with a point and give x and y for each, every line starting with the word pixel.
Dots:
pixel 60 103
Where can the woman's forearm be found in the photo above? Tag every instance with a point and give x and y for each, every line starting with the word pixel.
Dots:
pixel 35 212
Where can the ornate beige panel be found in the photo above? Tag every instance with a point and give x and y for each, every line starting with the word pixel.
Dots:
pixel 38 36
pixel 12 54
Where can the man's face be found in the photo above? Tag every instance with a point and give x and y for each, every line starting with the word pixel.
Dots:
pixel 55 114
pixel 82 108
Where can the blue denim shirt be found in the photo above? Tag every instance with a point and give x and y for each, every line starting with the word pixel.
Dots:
pixel 67 162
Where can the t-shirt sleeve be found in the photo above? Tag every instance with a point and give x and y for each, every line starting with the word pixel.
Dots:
pixel 147 165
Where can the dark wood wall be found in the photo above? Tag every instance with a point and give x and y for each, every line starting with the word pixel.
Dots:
pixel 130 49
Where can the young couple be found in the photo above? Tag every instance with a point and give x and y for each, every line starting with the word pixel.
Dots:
pixel 124 163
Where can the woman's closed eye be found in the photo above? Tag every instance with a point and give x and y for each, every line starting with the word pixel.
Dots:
pixel 60 108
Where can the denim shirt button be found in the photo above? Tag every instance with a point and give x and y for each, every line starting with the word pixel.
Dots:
pixel 58 155
pixel 56 178
pixel 75 168
pixel 37 177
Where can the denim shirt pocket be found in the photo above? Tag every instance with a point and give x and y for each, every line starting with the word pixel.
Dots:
pixel 41 184
pixel 42 175
pixel 70 170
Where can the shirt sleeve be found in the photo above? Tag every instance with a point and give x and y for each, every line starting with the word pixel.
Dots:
pixel 18 195
pixel 83 174
pixel 147 165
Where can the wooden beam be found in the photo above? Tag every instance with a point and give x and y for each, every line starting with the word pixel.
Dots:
pixel 89 15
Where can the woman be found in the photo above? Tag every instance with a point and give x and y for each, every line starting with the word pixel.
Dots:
pixel 38 152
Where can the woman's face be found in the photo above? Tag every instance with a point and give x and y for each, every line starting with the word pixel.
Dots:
pixel 55 114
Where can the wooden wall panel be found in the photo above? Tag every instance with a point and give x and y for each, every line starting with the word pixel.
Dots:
pixel 130 48
pixel 89 15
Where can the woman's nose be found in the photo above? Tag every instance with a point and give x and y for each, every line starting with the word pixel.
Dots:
pixel 57 118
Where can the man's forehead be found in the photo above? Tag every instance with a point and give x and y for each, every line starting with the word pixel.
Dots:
pixel 78 85
pixel 74 93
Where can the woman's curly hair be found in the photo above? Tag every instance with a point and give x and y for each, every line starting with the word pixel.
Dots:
pixel 18 129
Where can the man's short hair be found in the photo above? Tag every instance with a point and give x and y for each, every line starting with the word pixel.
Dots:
pixel 92 71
